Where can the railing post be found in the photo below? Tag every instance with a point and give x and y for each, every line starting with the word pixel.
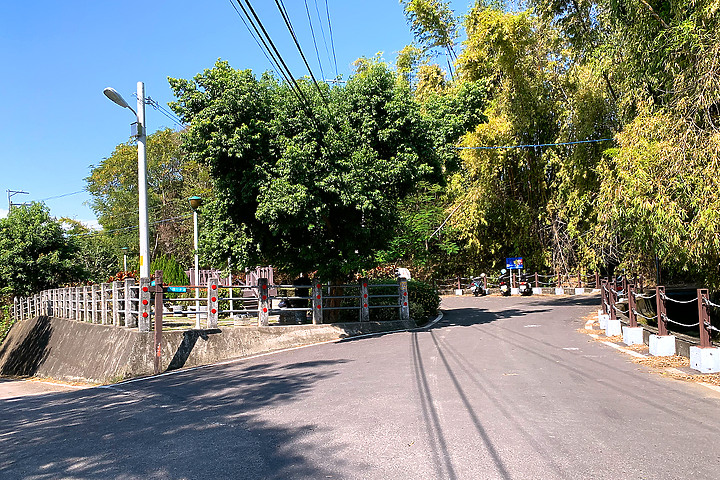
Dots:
pixel 704 318
pixel 597 279
pixel 263 304
pixel 158 290
pixel 631 306
pixel 485 283
pixel 103 303
pixel 537 280
pixel 144 318
pixel 612 299
pixel 403 300
pixel 131 319
pixel 364 300
pixel 317 313
pixel 115 304
pixel 624 283
pixel 579 280
pixel 459 285
pixel 212 303
pixel 660 309
pixel 604 296
pixel 85 304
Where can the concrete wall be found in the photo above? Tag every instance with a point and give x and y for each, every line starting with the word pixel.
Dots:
pixel 71 350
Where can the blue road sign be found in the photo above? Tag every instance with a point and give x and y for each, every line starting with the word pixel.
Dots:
pixel 177 289
pixel 514 263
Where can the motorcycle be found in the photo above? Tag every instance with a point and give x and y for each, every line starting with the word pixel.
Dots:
pixel 477 286
pixel 524 287
pixel 504 283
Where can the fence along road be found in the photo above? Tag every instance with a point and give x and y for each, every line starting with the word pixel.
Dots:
pixel 501 388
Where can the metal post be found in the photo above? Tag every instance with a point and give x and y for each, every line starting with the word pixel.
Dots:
pixel 197 270
pixel 704 318
pixel 364 300
pixel 158 290
pixel 144 318
pixel 317 314
pixel 660 308
pixel 631 306
pixel 142 184
pixel 403 299
pixel 263 304
pixel 212 303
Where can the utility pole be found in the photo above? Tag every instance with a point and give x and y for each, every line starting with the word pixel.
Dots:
pixel 10 194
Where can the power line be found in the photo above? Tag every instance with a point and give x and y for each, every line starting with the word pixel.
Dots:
pixel 312 32
pixel 534 146
pixel 61 196
pixel 270 61
pixel 327 11
pixel 164 111
pixel 322 30
pixel 286 18
pixel 134 227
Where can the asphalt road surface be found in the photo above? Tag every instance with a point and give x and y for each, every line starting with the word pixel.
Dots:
pixel 501 388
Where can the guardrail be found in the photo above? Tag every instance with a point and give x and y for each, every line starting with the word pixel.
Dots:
pixel 512 278
pixel 130 303
pixel 614 292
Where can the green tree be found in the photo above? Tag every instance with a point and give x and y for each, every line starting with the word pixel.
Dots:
pixel 310 181
pixel 97 255
pixel 35 252
pixel 171 179
pixel 434 25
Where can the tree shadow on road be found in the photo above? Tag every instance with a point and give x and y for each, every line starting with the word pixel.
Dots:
pixel 202 423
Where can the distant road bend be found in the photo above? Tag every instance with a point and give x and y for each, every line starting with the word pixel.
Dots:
pixel 501 388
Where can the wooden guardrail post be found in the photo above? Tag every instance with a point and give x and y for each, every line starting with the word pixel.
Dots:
pixel 604 296
pixel 661 310
pixel 317 313
pixel 704 318
pixel 631 306
pixel 157 289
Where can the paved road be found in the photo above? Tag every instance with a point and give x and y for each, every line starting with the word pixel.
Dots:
pixel 500 388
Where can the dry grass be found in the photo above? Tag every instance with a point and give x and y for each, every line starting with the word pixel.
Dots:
pixel 614 339
pixel 675 361
pixel 589 332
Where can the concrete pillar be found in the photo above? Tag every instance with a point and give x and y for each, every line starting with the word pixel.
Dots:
pixel 104 303
pixel 213 302
pixel 144 317
pixel 263 303
pixel 116 290
pixel 317 313
pixel 131 299
pixel 364 300
pixel 403 300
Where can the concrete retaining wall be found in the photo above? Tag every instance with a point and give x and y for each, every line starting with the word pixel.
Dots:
pixel 70 350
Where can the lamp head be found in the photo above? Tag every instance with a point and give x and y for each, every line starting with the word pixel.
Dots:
pixel 113 95
pixel 195 202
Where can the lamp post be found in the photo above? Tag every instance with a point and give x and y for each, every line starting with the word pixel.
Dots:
pixel 195 203
pixel 140 132
pixel 124 249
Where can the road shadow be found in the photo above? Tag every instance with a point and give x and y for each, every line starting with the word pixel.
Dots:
pixel 190 338
pixel 24 358
pixel 201 423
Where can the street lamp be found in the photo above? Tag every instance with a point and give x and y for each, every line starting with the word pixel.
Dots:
pixel 195 203
pixel 139 131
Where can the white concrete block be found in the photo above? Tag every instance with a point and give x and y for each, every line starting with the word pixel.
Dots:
pixel 603 319
pixel 662 345
pixel 458 292
pixel 600 312
pixel 514 291
pixel 579 291
pixel 559 291
pixel 705 360
pixel 614 327
pixel 632 335
pixel 537 291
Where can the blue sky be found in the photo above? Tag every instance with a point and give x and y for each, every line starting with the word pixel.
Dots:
pixel 57 58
